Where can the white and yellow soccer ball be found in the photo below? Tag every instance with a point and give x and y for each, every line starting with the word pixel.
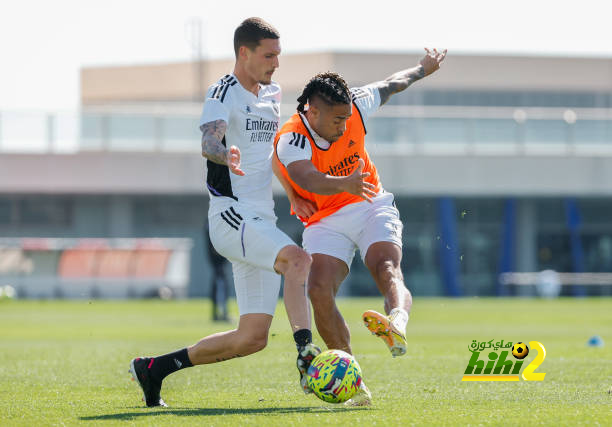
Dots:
pixel 334 376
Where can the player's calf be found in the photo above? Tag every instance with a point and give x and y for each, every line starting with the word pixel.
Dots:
pixel 331 325
pixel 326 275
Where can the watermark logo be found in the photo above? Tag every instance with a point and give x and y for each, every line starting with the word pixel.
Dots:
pixel 495 364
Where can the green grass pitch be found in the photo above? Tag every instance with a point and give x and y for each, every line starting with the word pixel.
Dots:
pixel 66 363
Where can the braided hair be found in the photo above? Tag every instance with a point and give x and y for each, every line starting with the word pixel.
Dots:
pixel 330 87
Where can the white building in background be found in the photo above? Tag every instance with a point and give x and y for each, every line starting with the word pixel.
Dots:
pixel 507 157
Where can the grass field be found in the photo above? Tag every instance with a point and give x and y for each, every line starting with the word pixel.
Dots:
pixel 66 363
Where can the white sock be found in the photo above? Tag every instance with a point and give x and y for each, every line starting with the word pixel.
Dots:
pixel 399 318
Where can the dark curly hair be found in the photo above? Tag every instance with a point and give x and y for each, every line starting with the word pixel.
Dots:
pixel 330 87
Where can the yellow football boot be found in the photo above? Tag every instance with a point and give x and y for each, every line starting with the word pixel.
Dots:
pixel 382 326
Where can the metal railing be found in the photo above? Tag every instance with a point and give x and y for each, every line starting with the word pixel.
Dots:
pixel 425 129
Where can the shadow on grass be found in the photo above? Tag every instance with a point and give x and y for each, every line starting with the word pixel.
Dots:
pixel 189 412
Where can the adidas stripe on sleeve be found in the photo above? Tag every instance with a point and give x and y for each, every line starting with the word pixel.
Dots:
pixel 367 99
pixel 217 105
pixel 292 147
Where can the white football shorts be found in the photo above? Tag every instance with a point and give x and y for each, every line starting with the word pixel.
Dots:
pixel 357 225
pixel 251 242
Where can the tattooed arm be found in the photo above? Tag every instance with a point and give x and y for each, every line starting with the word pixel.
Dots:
pixel 402 79
pixel 214 150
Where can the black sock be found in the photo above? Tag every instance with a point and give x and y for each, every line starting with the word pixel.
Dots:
pixel 302 337
pixel 162 366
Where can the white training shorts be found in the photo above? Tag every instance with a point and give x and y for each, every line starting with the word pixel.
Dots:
pixel 251 242
pixel 357 225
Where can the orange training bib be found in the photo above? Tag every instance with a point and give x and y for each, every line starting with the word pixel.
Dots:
pixel 340 159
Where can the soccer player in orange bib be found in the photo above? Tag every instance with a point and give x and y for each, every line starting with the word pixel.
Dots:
pixel 334 189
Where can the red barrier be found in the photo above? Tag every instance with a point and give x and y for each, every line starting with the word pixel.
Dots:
pixel 151 263
pixel 77 263
pixel 114 263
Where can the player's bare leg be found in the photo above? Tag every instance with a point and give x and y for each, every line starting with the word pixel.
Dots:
pixel 326 275
pixel 294 264
pixel 383 260
pixel 250 337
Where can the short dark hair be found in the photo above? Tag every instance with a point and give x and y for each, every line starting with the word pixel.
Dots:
pixel 330 87
pixel 251 31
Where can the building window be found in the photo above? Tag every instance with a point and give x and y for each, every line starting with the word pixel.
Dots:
pixel 45 211
pixel 171 211
pixel 5 212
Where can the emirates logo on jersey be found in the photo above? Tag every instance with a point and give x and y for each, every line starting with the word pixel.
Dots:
pixel 345 167
pixel 261 130
pixel 261 124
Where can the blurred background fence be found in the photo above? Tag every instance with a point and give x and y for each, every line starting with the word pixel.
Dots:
pixel 429 129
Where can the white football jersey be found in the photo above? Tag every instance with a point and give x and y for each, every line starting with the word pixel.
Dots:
pixel 252 122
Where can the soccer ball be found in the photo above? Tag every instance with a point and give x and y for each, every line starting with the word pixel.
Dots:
pixel 520 350
pixel 334 376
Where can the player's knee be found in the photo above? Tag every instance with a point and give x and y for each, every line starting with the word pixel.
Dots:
pixel 258 343
pixel 252 344
pixel 296 262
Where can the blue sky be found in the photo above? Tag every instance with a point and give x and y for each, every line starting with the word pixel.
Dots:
pixel 43 44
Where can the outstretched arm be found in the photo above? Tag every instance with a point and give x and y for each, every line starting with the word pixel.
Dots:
pixel 402 79
pixel 214 150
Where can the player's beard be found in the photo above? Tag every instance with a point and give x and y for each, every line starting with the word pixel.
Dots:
pixel 266 79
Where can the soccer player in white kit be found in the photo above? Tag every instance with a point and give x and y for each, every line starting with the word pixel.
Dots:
pixel 239 120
